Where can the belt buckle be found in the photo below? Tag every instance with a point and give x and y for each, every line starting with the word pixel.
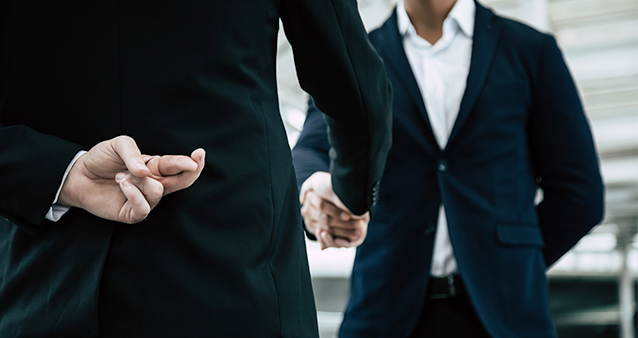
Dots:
pixel 450 292
pixel 451 285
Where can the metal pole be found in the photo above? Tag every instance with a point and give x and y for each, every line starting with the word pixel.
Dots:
pixel 626 296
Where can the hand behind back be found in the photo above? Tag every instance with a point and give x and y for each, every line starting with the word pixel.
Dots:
pixel 115 181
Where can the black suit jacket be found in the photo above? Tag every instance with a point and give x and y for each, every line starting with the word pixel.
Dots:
pixel 224 258
pixel 520 127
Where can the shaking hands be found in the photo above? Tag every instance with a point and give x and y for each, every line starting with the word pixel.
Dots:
pixel 326 217
pixel 115 181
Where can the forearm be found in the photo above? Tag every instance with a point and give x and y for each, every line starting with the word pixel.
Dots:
pixel 347 79
pixel 310 154
pixel 564 158
pixel 56 211
pixel 564 221
pixel 32 166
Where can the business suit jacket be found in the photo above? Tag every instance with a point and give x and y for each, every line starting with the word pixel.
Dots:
pixel 520 127
pixel 224 258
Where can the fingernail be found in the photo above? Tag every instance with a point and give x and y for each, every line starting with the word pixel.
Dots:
pixel 141 166
pixel 119 177
pixel 187 164
pixel 126 183
pixel 201 151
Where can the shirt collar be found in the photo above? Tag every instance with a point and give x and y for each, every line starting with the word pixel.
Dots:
pixel 463 13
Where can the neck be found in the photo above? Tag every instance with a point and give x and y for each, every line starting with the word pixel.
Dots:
pixel 427 17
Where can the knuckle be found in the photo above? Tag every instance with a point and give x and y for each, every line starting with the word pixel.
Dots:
pixel 157 190
pixel 313 198
pixel 122 139
pixel 142 216
pixel 313 228
pixel 319 226
pixel 125 138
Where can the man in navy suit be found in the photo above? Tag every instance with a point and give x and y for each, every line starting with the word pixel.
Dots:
pixel 485 114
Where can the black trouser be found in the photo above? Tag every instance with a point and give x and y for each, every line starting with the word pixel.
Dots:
pixel 448 312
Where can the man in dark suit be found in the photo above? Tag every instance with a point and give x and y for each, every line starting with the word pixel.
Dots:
pixel 223 258
pixel 485 114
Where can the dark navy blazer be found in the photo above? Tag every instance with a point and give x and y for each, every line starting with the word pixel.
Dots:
pixel 520 126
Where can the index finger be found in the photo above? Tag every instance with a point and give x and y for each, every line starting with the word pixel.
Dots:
pixel 185 179
pixel 334 211
pixel 130 154
pixel 170 165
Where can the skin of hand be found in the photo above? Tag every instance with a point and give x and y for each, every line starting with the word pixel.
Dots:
pixel 115 181
pixel 327 217
pixel 176 172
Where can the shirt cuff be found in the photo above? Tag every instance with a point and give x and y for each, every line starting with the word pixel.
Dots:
pixel 56 211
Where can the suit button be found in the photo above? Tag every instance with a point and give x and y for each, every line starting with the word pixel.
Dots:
pixel 429 230
pixel 442 165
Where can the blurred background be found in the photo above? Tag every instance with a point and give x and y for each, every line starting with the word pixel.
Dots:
pixel 593 287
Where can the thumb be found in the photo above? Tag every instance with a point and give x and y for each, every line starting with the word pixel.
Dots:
pixel 325 191
pixel 321 183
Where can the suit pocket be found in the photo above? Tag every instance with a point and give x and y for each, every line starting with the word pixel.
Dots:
pixel 519 235
pixel 523 292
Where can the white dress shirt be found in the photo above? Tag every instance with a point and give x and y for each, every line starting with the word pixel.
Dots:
pixel 441 72
pixel 56 211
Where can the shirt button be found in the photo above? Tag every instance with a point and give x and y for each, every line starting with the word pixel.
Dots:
pixel 429 230
pixel 442 165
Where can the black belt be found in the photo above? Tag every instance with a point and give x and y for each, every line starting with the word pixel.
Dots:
pixel 445 287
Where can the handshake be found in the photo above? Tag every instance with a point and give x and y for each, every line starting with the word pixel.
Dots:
pixel 326 217
pixel 115 181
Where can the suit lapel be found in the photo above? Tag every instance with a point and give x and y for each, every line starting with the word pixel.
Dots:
pixel 487 33
pixel 393 54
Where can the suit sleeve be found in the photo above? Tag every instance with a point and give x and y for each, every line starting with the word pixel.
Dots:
pixel 32 164
pixel 338 66
pixel 310 154
pixel 31 169
pixel 564 158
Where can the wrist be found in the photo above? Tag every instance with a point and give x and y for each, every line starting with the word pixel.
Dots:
pixel 70 192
